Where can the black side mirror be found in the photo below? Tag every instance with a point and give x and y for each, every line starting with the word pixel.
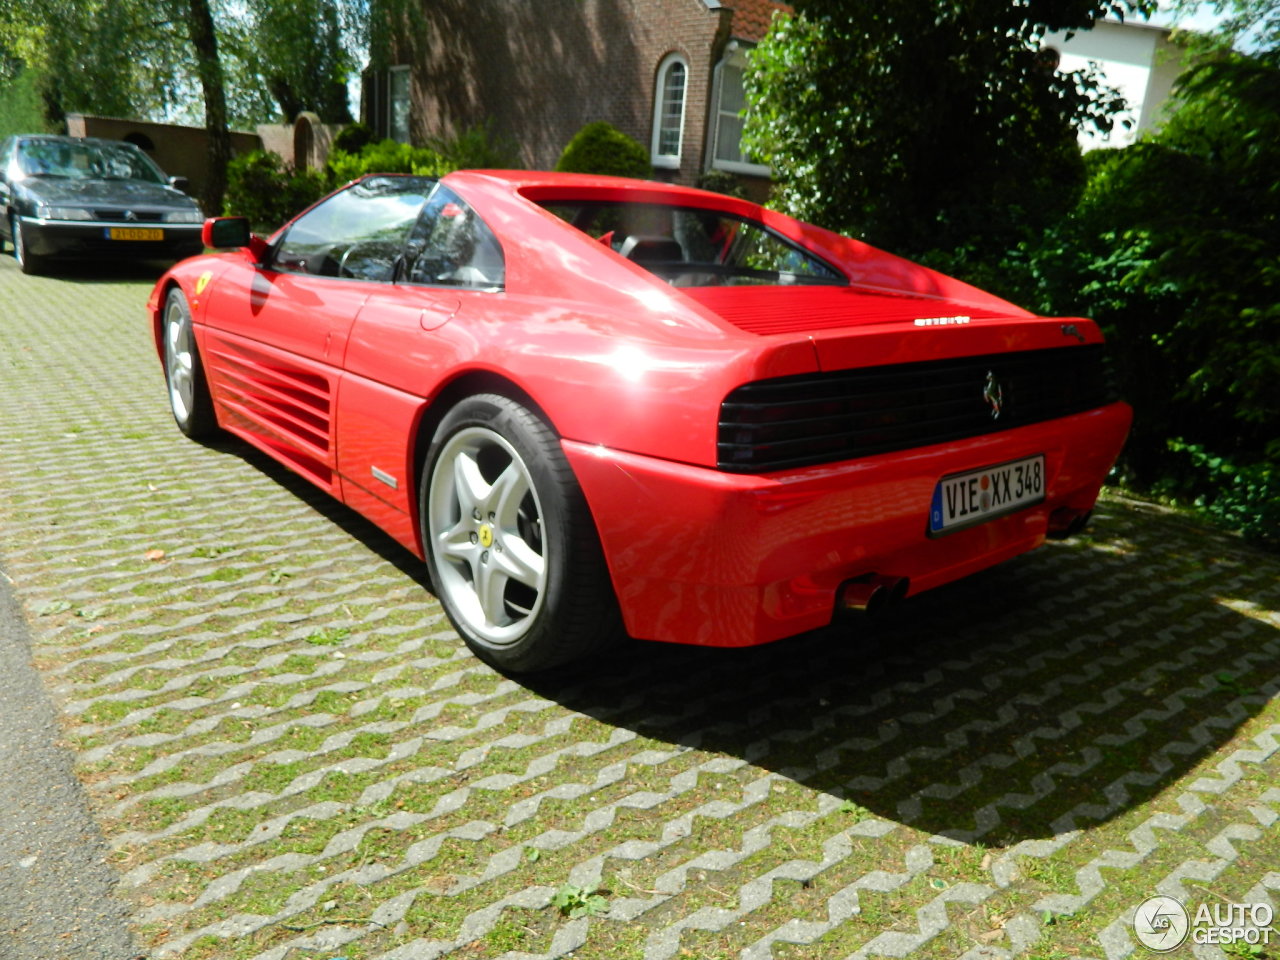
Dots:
pixel 180 183
pixel 226 233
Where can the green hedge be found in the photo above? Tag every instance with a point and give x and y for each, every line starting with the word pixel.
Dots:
pixel 386 156
pixel 262 187
pixel 1174 248
pixel 269 191
pixel 1243 497
pixel 21 106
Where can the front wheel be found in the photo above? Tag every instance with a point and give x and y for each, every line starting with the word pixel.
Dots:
pixel 189 397
pixel 510 543
pixel 28 262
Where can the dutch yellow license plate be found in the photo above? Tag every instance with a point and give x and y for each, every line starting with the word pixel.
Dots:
pixel 134 233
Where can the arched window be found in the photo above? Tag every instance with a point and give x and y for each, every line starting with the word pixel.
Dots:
pixel 668 111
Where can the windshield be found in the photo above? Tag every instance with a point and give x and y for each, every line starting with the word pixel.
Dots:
pixel 84 160
pixel 691 247
pixel 358 232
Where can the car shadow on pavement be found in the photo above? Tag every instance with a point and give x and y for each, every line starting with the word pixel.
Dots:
pixel 1052 693
pixel 98 272
pixel 1059 690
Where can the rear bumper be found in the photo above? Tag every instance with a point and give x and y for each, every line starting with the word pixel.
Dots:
pixel 703 557
pixel 82 239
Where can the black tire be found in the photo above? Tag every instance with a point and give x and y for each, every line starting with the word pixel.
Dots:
pixel 189 398
pixel 28 262
pixel 520 574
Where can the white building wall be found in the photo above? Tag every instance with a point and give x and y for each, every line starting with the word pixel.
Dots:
pixel 1137 58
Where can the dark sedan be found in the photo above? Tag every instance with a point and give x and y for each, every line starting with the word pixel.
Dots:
pixel 82 198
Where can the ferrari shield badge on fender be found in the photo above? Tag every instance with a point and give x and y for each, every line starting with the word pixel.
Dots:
pixel 203 281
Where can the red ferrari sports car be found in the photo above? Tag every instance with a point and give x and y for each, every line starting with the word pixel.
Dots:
pixel 593 404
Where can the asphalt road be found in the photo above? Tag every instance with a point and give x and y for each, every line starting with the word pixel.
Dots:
pixel 55 886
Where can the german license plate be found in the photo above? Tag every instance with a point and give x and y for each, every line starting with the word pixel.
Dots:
pixel 134 233
pixel 976 496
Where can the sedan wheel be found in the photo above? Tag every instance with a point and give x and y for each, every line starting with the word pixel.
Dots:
pixel 184 374
pixel 511 545
pixel 28 262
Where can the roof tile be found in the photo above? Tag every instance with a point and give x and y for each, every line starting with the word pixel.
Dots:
pixel 751 18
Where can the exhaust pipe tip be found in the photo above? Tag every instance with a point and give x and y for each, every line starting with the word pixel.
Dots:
pixel 898 587
pixel 872 594
pixel 1065 522
pixel 863 596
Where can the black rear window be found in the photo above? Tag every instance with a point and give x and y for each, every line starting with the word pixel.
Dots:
pixel 692 247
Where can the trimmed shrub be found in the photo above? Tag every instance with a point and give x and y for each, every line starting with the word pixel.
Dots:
pixel 602 148
pixel 262 187
pixel 353 138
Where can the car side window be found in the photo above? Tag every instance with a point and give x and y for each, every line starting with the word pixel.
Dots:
pixel 358 233
pixel 451 246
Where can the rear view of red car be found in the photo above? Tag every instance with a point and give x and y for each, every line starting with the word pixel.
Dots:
pixel 594 405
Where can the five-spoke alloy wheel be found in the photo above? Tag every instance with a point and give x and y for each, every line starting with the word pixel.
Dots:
pixel 510 543
pixel 188 391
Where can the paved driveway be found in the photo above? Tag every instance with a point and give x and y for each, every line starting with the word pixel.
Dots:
pixel 291 755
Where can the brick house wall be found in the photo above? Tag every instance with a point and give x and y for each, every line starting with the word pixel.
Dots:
pixel 538 71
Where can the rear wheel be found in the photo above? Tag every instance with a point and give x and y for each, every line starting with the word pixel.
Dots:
pixel 189 397
pixel 510 543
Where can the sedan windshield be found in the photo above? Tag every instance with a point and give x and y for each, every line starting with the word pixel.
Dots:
pixel 692 247
pixel 85 160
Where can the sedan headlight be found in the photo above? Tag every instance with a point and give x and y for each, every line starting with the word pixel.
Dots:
pixel 184 216
pixel 45 212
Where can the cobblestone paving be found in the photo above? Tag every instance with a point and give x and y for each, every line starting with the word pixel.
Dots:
pixel 292 755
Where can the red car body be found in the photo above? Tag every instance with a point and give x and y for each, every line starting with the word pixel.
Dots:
pixel 344 380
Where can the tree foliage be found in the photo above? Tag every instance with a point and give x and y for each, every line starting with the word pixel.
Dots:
pixel 911 123
pixel 300 55
pixel 1252 25
pixel 92 54
pixel 139 58
pixel 21 110
pixel 930 127
pixel 1174 247
pixel 1183 231
pixel 218 62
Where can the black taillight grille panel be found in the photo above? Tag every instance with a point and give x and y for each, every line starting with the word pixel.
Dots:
pixel 804 420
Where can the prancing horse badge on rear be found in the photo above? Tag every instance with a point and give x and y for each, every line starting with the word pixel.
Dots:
pixel 993 393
